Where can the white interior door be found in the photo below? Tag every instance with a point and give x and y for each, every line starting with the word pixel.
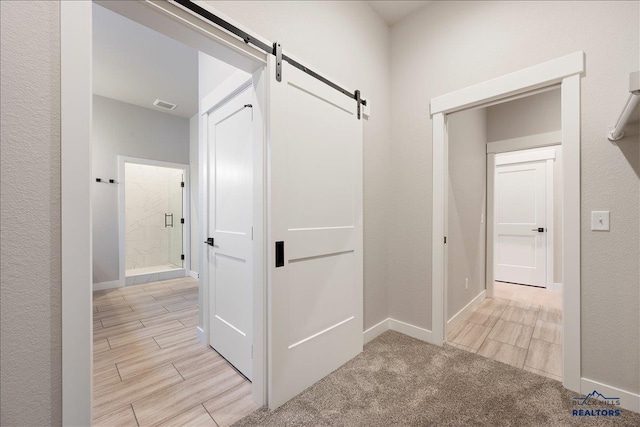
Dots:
pixel 229 257
pixel 520 239
pixel 315 302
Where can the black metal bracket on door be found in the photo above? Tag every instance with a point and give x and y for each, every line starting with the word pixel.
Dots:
pixel 275 49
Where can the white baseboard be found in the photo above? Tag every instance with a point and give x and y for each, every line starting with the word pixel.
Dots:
pixel 194 274
pixel 155 277
pixel 411 330
pixel 373 332
pixel 390 324
pixel 107 285
pixel 466 311
pixel 201 336
pixel 555 287
pixel 628 400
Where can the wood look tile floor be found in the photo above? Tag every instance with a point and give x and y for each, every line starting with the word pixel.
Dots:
pixel 521 326
pixel 149 368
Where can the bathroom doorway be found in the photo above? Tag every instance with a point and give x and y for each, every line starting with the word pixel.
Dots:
pixel 153 220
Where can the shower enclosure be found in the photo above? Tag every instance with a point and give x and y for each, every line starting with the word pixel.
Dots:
pixel 153 222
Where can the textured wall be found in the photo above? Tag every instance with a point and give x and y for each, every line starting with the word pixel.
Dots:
pixel 466 242
pixel 121 129
pixel 451 45
pixel 350 43
pixel 30 277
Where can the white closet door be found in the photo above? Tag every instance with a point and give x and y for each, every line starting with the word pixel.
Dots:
pixel 230 225
pixel 521 223
pixel 316 213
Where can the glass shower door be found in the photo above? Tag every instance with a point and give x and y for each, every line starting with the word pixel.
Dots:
pixel 175 219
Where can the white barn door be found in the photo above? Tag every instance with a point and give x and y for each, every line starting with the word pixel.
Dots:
pixel 315 265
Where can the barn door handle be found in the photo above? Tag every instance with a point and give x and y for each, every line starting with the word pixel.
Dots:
pixel 539 229
pixel 166 222
pixel 279 254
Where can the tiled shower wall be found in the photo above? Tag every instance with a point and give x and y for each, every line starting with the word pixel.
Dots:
pixel 150 192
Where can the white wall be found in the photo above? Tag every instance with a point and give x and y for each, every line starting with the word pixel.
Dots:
pixel 466 238
pixel 211 73
pixel 128 130
pixel 30 273
pixel 349 43
pixel 450 45
pixel 528 116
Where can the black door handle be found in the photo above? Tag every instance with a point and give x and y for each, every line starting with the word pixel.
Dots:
pixel 279 254
pixel 209 241
pixel 539 229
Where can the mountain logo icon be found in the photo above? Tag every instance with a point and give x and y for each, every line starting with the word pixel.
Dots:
pixel 595 394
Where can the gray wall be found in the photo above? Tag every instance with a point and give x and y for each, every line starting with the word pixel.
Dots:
pixel 350 43
pixel 525 116
pixel 30 277
pixel 451 45
pixel 531 116
pixel 121 129
pixel 466 238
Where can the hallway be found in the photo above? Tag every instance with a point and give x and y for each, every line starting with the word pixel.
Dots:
pixel 521 326
pixel 149 367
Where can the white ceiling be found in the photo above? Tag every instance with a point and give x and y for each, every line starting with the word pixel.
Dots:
pixel 394 11
pixel 135 64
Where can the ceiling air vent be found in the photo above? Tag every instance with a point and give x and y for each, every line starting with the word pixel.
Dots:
pixel 164 104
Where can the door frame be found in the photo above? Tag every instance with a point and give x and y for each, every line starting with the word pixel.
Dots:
pixel 228 89
pixel 524 155
pixel 186 202
pixel 76 228
pixel 566 71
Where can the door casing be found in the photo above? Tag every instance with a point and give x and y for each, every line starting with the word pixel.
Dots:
pixel 565 71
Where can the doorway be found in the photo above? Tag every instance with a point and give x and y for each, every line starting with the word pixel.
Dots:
pixel 492 170
pixel 154 225
pixel 563 73
pixel 151 335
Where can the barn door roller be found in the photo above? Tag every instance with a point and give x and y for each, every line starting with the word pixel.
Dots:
pixel 275 49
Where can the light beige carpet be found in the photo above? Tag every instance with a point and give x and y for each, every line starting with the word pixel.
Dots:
pixel 401 381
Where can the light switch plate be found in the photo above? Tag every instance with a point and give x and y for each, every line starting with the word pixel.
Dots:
pixel 600 220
